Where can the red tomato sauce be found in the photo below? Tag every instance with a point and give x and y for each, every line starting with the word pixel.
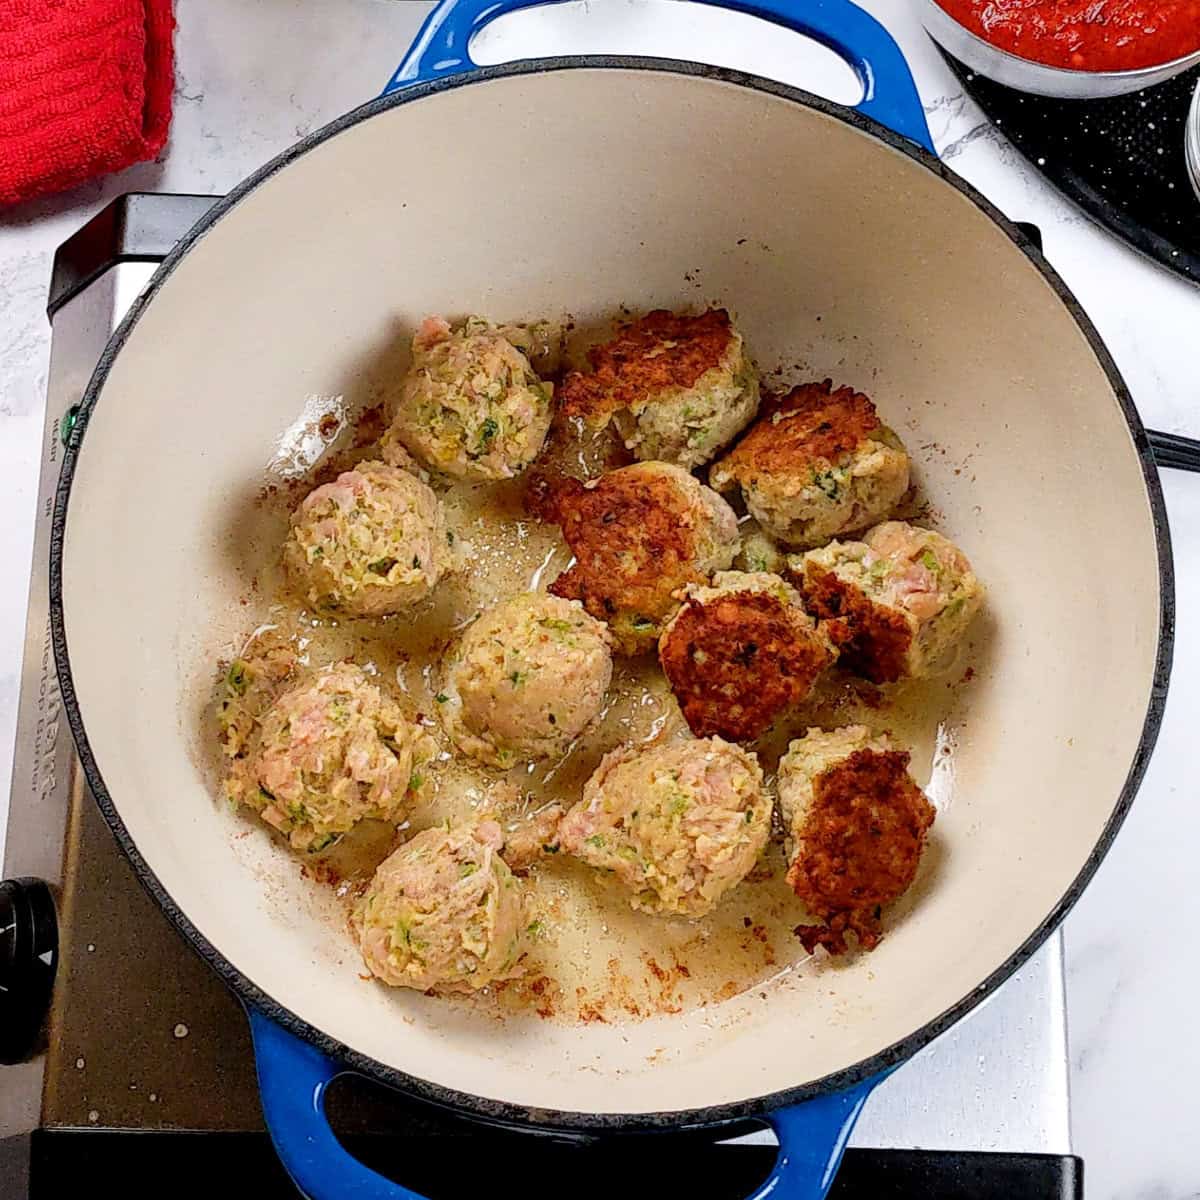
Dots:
pixel 1085 35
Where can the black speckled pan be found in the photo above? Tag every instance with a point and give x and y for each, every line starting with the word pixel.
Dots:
pixel 1122 160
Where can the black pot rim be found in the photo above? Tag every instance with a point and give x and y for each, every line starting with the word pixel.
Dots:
pixel 504 1112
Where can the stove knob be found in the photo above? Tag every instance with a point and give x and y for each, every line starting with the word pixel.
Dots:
pixel 28 958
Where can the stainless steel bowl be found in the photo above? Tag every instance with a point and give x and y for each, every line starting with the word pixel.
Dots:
pixel 1192 142
pixel 1037 78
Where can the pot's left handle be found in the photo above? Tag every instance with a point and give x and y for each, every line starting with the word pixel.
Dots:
pixel 443 47
pixel 293 1078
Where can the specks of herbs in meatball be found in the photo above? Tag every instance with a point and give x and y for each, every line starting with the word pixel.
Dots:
pixel 857 824
pixel 816 464
pixel 327 753
pixel 372 542
pixel 757 551
pixel 444 911
pixel 639 535
pixel 740 653
pixel 680 388
pixel 903 597
pixel 471 405
pixel 249 687
pixel 526 679
pixel 677 825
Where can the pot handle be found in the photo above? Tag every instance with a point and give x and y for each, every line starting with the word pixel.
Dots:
pixel 293 1077
pixel 812 1139
pixel 443 48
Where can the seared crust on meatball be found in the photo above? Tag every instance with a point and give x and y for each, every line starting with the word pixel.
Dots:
pixel 740 653
pixel 640 534
pixel 874 640
pixel 898 602
pixel 659 350
pixel 680 387
pixel 812 423
pixel 860 847
pixel 816 464
pixel 857 825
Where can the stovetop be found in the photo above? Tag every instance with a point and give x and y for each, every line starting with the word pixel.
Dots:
pixel 142 1038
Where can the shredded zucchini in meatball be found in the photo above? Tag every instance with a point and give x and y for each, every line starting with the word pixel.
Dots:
pixel 326 754
pixel 526 679
pixel 678 825
pixel 372 542
pixel 471 405
pixel 444 911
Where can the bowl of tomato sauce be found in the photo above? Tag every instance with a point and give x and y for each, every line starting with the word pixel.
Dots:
pixel 1076 49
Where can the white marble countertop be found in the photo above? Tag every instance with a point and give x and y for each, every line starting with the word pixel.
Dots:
pixel 254 75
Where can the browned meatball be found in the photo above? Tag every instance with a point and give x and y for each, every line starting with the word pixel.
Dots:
pixel 741 652
pixel 900 600
pixel 679 387
pixel 639 535
pixel 816 464
pixel 857 824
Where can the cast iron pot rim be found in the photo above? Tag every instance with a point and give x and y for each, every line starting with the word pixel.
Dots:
pixel 499 1111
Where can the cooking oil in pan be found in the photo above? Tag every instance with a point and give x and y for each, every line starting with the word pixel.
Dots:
pixel 594 958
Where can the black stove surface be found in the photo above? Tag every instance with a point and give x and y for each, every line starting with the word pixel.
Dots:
pixel 59 1163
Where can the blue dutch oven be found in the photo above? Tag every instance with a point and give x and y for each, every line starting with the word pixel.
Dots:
pixel 840 240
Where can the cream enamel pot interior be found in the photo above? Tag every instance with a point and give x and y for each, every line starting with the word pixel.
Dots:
pixel 580 185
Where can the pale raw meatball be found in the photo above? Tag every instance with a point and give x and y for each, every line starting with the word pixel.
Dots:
pixel 905 597
pixel 526 680
pixel 679 388
pixel 816 464
pixel 639 535
pixel 330 753
pixel 471 404
pixel 679 824
pixel 373 541
pixel 444 911
pixel 856 826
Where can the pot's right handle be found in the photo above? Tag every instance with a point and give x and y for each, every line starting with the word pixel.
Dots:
pixel 1171 450
pixel 443 48
pixel 294 1076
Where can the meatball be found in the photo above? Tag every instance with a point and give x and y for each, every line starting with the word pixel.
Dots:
pixel 856 825
pixel 329 753
pixel 471 404
pixel 679 825
pixel 741 652
pixel 816 464
pixel 679 388
pixel 444 911
pixel 639 534
pixel 526 679
pixel 903 596
pixel 372 542
pixel 758 552
pixel 530 838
